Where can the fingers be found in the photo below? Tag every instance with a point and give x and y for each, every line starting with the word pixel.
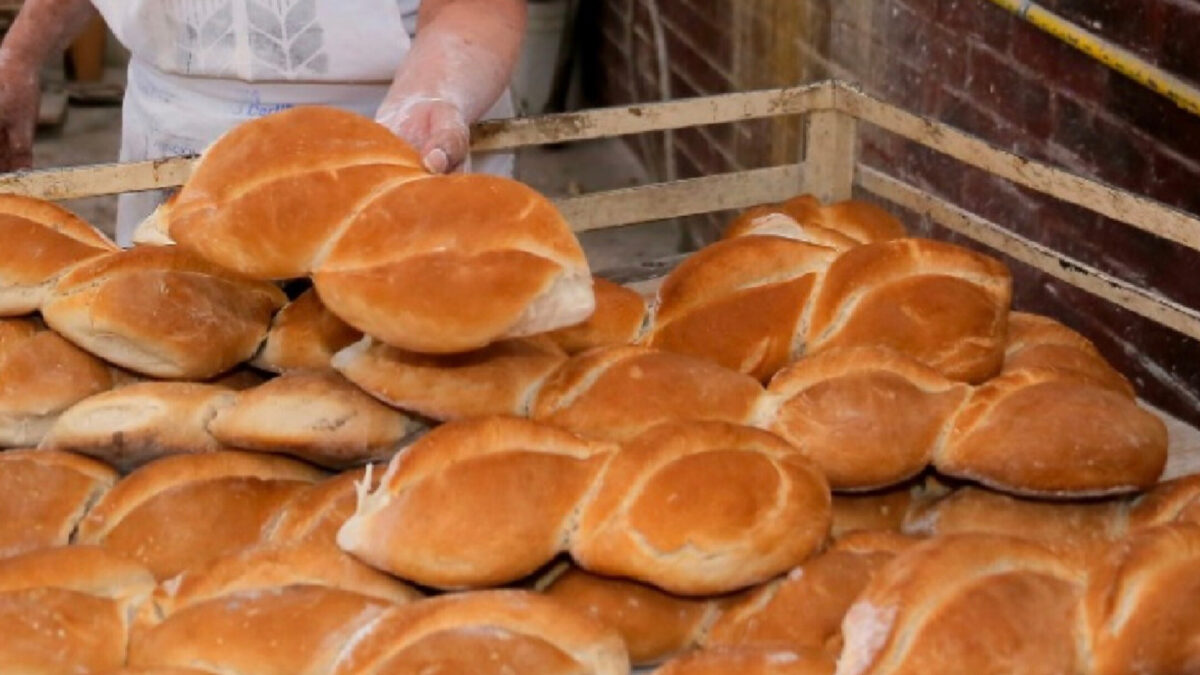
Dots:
pixel 435 127
pixel 446 148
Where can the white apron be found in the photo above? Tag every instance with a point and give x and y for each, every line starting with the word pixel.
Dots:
pixel 200 67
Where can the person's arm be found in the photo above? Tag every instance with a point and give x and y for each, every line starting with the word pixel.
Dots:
pixel 460 63
pixel 42 29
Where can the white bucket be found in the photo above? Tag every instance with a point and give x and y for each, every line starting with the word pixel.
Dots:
pixel 535 69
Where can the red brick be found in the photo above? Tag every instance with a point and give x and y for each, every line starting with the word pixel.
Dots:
pixel 1020 100
pixel 708 27
pixel 1062 66
pixel 1174 181
pixel 998 200
pixel 979 19
pixel 1135 24
pixel 1181 40
pixel 1156 115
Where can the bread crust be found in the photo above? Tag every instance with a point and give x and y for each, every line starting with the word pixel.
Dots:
pixel 304 335
pixel 44 495
pixel 619 319
pixel 750 661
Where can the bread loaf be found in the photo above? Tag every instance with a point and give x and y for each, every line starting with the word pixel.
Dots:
pixel 162 312
pixel 616 393
pixel 619 319
pixel 64 610
pixel 740 302
pixel 41 374
pixel 1144 604
pixel 1176 500
pixel 870 417
pixel 485 633
pixel 304 335
pixel 315 415
pixel 499 379
pixel 943 305
pixel 452 263
pixel 269 194
pixel 1040 342
pixel 840 225
pixel 181 511
pixel 702 508
pixel 967 604
pixel 1039 432
pixel 884 510
pixel 138 423
pixel 44 495
pixel 511 488
pixel 750 661
pixel 654 625
pixel 317 512
pixel 42 241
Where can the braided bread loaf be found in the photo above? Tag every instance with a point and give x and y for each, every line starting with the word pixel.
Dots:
pixel 696 508
pixel 839 226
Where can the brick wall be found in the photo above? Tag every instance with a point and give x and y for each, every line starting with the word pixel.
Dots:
pixel 972 65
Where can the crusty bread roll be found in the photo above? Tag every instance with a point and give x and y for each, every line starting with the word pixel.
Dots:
pixel 943 305
pixel 304 335
pixel 476 503
pixel 654 625
pixel 41 374
pixel 1041 342
pixel 317 512
pixel 868 416
pixel 750 661
pixel 1176 500
pixel 702 508
pixel 269 194
pixel 840 225
pixel 618 392
pixel 44 495
pixel 137 423
pixel 1039 432
pixel 500 379
pixel 289 630
pixel 1144 604
pixel 875 541
pixel 618 320
pixel 162 312
pixel 158 671
pixel 42 241
pixel 317 416
pixel 180 511
pixel 740 302
pixel 65 610
pixel 452 263
pixel 485 633
pixel 1075 531
pixel 802 610
pixel 883 510
pixel 967 604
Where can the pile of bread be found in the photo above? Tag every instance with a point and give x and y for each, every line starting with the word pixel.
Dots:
pixel 334 415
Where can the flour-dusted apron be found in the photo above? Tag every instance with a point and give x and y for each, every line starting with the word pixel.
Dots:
pixel 200 67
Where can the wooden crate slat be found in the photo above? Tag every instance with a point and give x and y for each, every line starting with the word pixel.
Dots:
pixel 98 179
pixel 1139 212
pixel 681 198
pixel 1118 291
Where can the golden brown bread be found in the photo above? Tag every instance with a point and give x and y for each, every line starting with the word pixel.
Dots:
pixel 64 610
pixel 317 416
pixel 868 416
pixel 41 375
pixel 703 508
pixel 782 219
pixel 750 661
pixel 840 225
pixel 740 302
pixel 44 495
pixel 870 511
pixel 1175 500
pixel 158 671
pixel 875 541
pixel 317 512
pixel 1075 531
pixel 162 312
pixel 294 630
pixel 654 625
pixel 1144 604
pixel 180 511
pixel 268 195
pixel 485 633
pixel 42 240
pixel 1041 342
pixel 618 320
pixel 616 393
pixel 967 604
pixel 304 335
pixel 943 305
pixel 452 263
pixel 512 488
pixel 1040 432
pixel 499 379
pixel 138 423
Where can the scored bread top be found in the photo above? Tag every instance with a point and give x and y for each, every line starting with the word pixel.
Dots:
pixel 43 496
pixel 840 225
pixel 751 660
pixel 1170 501
pixel 1041 342
pixel 618 320
pixel 304 335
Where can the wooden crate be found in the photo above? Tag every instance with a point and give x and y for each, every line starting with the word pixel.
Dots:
pixel 829 169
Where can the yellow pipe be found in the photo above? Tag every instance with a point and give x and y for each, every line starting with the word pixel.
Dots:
pixel 1182 93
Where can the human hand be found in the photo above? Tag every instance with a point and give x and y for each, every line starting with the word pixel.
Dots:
pixel 435 127
pixel 20 93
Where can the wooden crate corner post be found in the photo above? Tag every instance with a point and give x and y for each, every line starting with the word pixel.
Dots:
pixel 830 146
